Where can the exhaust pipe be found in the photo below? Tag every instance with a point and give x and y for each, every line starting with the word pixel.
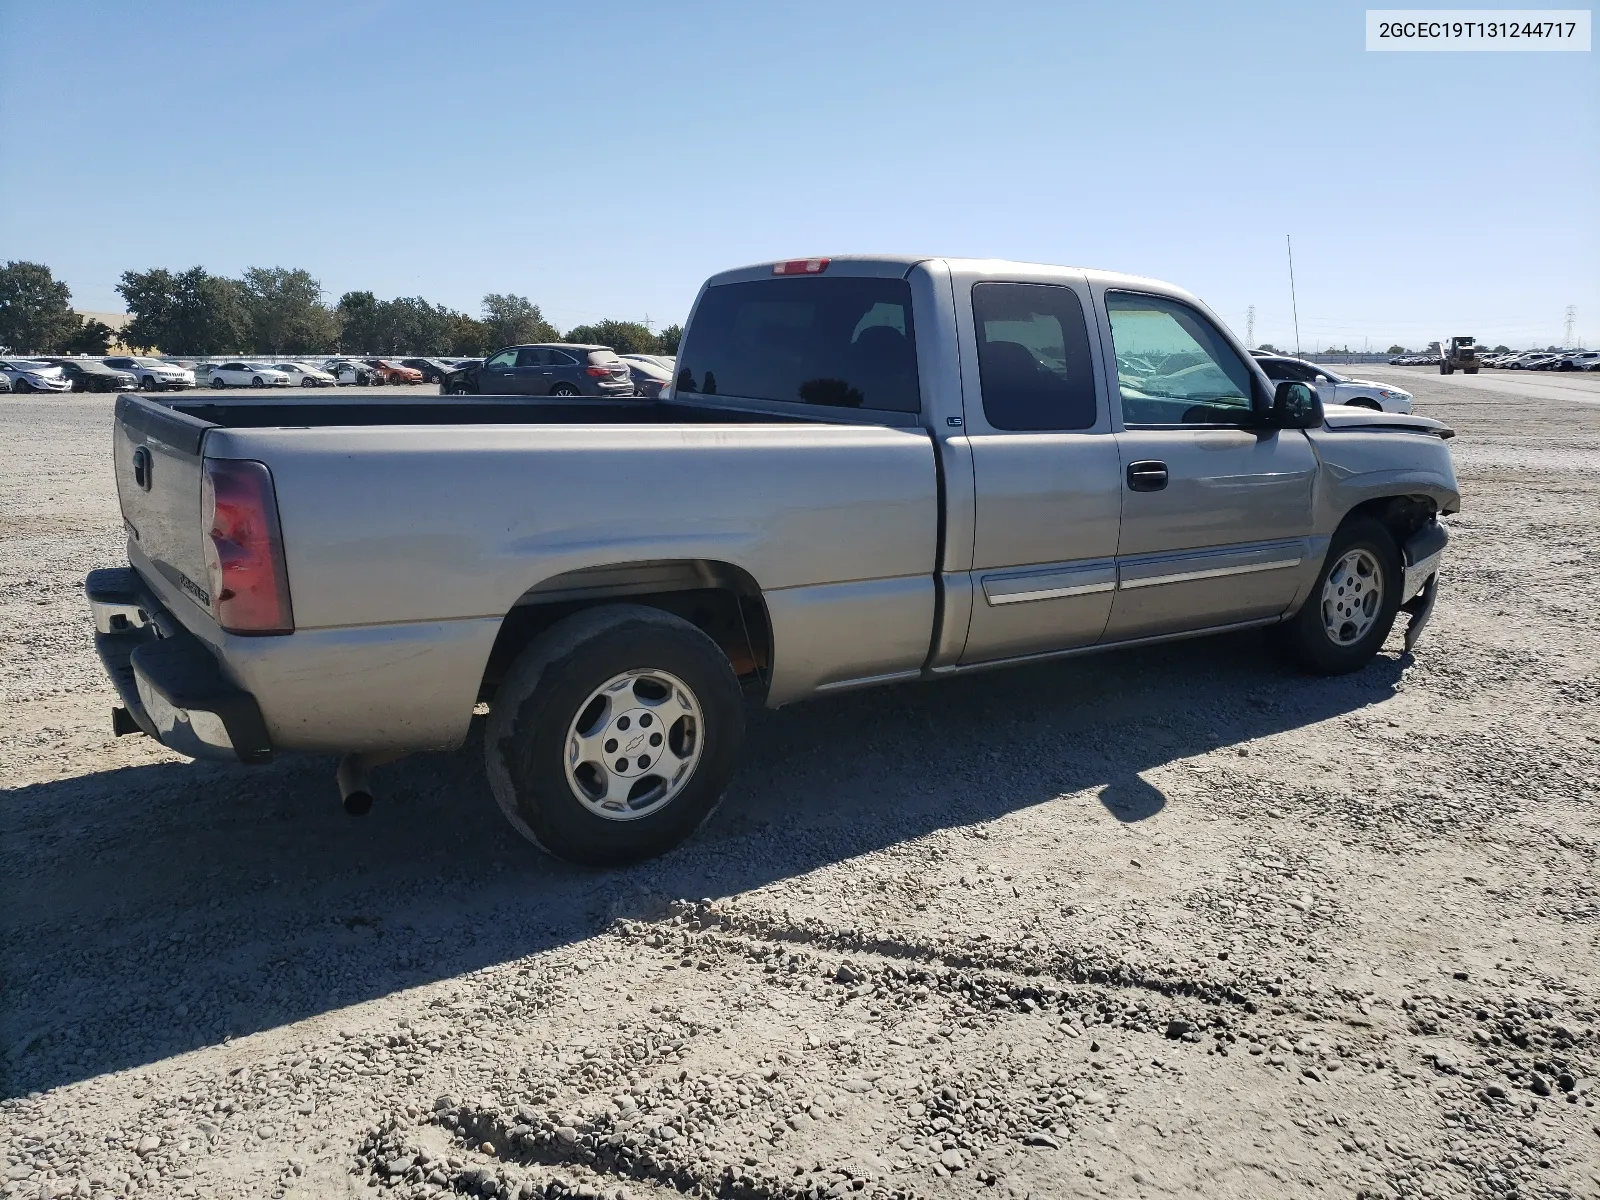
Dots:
pixel 355 789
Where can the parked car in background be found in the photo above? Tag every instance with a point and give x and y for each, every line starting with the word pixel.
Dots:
pixel 92 375
pixel 32 375
pixel 551 369
pixel 1539 362
pixel 392 372
pixel 304 374
pixel 1584 360
pixel 1333 387
pixel 348 372
pixel 152 374
pixel 666 361
pixel 244 374
pixel 649 377
pixel 433 369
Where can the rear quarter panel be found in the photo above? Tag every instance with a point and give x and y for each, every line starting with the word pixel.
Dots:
pixel 393 534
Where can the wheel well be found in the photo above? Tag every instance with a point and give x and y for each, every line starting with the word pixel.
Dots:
pixel 1402 516
pixel 720 599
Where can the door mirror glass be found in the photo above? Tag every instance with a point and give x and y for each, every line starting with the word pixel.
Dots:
pixel 1296 405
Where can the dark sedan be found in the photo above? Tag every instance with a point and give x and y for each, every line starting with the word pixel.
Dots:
pixel 87 375
pixel 433 369
pixel 552 369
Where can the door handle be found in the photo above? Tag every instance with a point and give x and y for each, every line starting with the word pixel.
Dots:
pixel 1147 476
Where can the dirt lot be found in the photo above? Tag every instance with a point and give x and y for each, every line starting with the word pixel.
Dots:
pixel 1173 923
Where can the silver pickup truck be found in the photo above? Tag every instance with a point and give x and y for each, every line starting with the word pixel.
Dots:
pixel 866 470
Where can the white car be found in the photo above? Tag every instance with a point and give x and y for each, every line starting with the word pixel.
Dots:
pixel 304 374
pixel 1335 388
pixel 1585 360
pixel 26 375
pixel 344 371
pixel 243 374
pixel 152 374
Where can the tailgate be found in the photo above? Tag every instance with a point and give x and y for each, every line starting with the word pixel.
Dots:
pixel 156 452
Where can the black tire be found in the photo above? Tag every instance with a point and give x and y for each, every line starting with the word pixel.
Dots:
pixel 22 387
pixel 565 389
pixel 257 381
pixel 460 389
pixel 1444 368
pixel 1372 404
pixel 219 383
pixel 1306 635
pixel 547 690
pixel 148 383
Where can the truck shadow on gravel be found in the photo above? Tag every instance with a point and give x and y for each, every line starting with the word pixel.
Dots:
pixel 156 909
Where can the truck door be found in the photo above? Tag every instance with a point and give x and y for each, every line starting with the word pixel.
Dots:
pixel 1216 509
pixel 1044 460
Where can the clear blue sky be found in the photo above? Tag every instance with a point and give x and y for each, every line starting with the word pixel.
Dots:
pixel 603 158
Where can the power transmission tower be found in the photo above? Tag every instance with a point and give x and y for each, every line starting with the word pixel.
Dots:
pixel 1572 319
pixel 1250 327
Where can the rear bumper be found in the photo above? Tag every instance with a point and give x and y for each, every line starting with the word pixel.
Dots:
pixel 168 680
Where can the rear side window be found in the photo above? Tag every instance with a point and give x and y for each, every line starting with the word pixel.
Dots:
pixel 603 358
pixel 531 358
pixel 838 343
pixel 1033 356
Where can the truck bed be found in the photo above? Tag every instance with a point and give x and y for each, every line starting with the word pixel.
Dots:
pixel 411 528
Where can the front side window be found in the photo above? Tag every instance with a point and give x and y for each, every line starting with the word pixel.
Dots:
pixel 1033 356
pixel 1283 368
pixel 841 343
pixel 1173 367
pixel 504 361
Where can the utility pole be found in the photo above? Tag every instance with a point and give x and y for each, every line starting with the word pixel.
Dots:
pixel 1250 327
pixel 1572 319
pixel 1293 302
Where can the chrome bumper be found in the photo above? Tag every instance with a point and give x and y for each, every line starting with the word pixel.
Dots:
pixel 1423 554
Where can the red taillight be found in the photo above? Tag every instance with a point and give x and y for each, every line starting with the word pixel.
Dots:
pixel 244 548
pixel 801 266
pixel 597 372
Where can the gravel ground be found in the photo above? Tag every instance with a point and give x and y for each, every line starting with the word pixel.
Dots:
pixel 1172 923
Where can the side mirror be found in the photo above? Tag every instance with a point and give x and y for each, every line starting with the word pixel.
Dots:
pixel 1296 405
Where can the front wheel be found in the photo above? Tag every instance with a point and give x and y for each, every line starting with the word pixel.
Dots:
pixel 614 735
pixel 1352 605
pixel 307 381
pixel 22 386
pixel 460 389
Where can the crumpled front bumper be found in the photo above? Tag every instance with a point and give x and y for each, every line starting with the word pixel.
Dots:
pixel 168 680
pixel 1422 556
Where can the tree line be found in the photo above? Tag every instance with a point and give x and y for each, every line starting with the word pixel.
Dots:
pixel 279 311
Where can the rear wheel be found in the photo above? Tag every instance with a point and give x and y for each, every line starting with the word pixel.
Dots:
pixel 614 735
pixel 564 389
pixel 219 382
pixel 1352 605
